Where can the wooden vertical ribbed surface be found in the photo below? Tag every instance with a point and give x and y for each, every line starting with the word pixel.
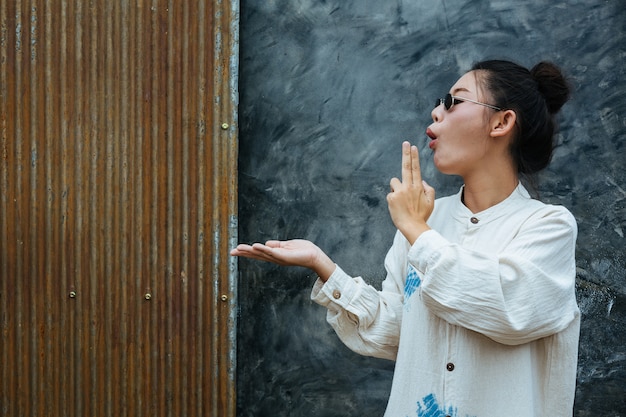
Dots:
pixel 117 207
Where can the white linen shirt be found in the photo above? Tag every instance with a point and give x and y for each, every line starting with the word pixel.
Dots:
pixel 487 322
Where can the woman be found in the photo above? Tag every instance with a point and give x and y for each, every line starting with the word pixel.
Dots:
pixel 478 308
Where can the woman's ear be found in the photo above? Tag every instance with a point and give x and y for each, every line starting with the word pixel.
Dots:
pixel 503 123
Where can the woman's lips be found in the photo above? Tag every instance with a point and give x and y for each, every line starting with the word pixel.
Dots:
pixel 433 138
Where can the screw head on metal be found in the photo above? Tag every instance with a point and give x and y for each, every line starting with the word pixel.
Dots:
pixel 225 126
pixel 72 294
pixel 224 297
pixel 148 296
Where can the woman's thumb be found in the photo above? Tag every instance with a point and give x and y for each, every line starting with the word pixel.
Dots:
pixel 429 191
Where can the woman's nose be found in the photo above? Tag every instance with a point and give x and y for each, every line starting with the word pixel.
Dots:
pixel 435 113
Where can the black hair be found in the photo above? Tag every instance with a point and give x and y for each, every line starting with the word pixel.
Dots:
pixel 535 95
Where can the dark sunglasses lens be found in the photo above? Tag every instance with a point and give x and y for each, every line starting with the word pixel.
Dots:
pixel 447 101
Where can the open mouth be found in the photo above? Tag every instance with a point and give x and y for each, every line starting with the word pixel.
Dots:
pixel 433 138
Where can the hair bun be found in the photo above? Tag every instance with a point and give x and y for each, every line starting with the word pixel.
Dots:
pixel 551 84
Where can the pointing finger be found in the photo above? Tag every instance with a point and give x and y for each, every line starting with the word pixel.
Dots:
pixel 416 172
pixel 407 175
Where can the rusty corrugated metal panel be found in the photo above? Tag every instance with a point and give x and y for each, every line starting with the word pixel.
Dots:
pixel 117 207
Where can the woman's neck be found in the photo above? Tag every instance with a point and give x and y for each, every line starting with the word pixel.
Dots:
pixel 483 192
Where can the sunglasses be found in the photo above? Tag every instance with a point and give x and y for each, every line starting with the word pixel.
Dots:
pixel 449 100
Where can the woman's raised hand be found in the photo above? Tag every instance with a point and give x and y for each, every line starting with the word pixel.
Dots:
pixel 411 201
pixel 297 252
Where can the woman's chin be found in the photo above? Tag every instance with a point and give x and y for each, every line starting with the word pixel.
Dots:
pixel 444 168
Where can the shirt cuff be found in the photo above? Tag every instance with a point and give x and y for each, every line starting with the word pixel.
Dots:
pixel 426 249
pixel 340 289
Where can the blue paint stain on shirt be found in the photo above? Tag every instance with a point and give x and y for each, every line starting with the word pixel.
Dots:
pixel 412 282
pixel 429 407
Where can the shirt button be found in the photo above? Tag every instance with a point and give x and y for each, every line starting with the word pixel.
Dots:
pixel 336 294
pixel 450 367
pixel 474 220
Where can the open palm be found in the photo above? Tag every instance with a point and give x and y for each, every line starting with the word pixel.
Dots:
pixel 297 252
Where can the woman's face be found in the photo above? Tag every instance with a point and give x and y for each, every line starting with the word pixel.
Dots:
pixel 460 135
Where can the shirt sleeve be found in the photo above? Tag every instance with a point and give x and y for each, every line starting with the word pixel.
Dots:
pixel 366 320
pixel 523 293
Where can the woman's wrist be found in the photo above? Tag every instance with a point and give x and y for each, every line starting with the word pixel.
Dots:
pixel 413 231
pixel 323 266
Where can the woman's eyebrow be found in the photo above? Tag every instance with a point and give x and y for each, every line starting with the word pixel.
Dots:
pixel 456 90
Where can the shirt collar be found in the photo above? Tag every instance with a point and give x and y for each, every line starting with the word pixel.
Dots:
pixel 505 207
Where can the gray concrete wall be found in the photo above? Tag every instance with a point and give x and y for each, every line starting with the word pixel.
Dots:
pixel 329 90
